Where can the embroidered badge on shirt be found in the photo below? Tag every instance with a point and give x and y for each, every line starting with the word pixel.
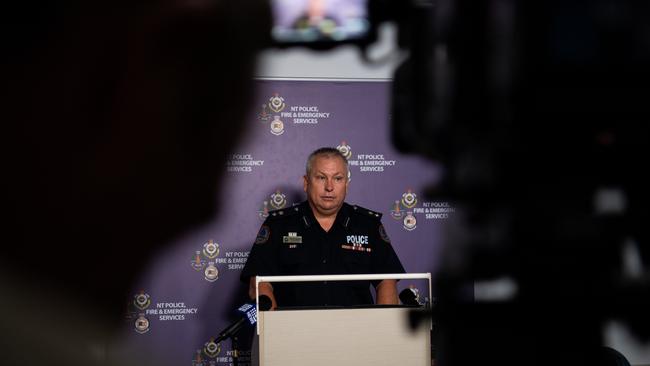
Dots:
pixel 263 235
pixel 292 238
pixel 356 247
pixel 357 242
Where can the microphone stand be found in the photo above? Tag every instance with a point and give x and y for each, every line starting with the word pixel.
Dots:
pixel 234 344
pixel 232 331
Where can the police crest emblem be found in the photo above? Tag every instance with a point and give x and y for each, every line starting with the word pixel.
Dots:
pixel 211 249
pixel 130 312
pixel 345 150
pixel 212 349
pixel 278 200
pixel 142 300
pixel 198 263
pixel 276 103
pixel 409 199
pixel 142 324
pixel 410 222
pixel 396 211
pixel 263 212
pixel 277 126
pixel 198 360
pixel 264 115
pixel 211 272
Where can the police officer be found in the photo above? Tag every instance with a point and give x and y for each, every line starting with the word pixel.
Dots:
pixel 323 235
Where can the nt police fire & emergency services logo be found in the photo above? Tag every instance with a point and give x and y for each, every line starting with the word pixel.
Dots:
pixel 374 162
pixel 345 149
pixel 211 354
pixel 204 261
pixel 138 307
pixel 277 126
pixel 144 313
pixel 270 112
pixel 212 259
pixel 243 162
pixel 264 115
pixel 276 104
pixel 406 208
pixel 212 349
pixel 279 114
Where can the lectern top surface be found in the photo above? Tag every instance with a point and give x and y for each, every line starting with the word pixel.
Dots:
pixel 284 308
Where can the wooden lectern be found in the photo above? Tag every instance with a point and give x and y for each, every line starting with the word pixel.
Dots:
pixel 342 336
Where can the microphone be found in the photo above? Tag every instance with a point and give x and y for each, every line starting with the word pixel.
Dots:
pixel 410 297
pixel 249 317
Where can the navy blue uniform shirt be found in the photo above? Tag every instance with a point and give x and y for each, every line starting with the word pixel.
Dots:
pixel 292 242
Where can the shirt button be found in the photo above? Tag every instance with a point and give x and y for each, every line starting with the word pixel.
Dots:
pixel 324 260
pixel 324 282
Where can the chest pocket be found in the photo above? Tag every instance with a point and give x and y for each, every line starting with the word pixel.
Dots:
pixel 292 246
pixel 356 262
pixel 292 253
pixel 292 258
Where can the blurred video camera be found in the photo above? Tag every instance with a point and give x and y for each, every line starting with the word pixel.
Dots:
pixel 324 24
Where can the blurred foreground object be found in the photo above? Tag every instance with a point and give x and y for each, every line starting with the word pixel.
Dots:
pixel 538 111
pixel 117 117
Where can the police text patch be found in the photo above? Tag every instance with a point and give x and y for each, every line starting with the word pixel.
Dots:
pixel 357 239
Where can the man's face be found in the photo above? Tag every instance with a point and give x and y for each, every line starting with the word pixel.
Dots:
pixel 326 185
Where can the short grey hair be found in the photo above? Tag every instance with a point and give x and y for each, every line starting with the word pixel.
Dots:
pixel 328 152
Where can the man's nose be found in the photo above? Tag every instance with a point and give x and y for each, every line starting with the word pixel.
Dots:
pixel 329 186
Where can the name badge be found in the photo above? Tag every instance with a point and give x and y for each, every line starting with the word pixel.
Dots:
pixel 292 238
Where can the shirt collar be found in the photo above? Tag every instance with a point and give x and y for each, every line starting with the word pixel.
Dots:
pixel 309 220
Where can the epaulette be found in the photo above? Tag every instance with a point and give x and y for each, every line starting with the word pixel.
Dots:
pixel 366 212
pixel 284 212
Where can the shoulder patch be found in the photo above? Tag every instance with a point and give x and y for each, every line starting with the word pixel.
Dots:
pixel 366 212
pixel 383 235
pixel 263 235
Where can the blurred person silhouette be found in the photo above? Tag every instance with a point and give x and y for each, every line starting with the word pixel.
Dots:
pixel 540 125
pixel 118 117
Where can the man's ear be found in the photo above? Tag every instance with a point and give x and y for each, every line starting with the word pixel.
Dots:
pixel 305 182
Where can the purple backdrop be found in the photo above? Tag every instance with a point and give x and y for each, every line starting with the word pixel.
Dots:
pixel 189 292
